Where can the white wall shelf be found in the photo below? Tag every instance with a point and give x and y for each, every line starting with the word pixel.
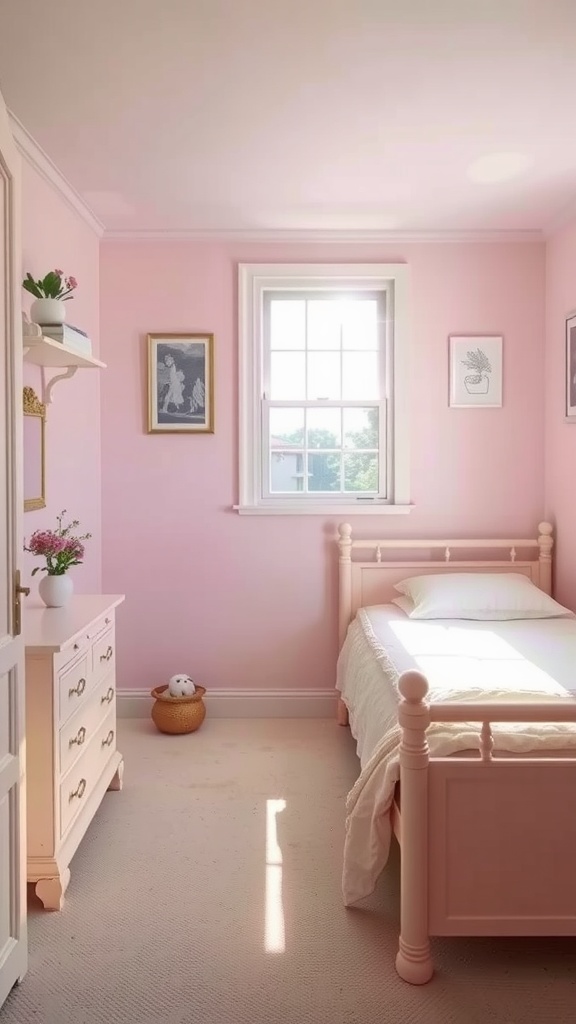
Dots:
pixel 50 354
pixel 44 351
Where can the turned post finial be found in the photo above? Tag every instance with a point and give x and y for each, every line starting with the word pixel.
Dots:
pixel 545 538
pixel 413 686
pixel 545 545
pixel 345 541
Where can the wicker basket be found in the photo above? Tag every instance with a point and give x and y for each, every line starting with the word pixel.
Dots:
pixel 178 714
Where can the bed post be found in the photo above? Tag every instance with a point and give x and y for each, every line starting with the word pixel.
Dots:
pixel 413 961
pixel 344 599
pixel 545 544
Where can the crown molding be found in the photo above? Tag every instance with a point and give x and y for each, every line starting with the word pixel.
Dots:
pixel 41 162
pixel 349 237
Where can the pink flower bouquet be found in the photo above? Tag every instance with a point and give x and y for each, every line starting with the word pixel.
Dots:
pixel 59 547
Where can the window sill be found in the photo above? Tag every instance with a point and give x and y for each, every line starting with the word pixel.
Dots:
pixel 377 509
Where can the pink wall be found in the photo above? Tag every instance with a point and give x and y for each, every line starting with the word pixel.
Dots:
pixel 55 236
pixel 560 475
pixel 251 602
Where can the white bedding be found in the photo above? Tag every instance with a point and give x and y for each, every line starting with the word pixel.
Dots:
pixel 463 661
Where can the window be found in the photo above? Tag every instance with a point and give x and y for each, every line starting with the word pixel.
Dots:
pixel 323 377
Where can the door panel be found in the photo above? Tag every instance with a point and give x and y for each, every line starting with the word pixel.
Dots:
pixel 13 950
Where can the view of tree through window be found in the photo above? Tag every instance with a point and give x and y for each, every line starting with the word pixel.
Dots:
pixel 331 465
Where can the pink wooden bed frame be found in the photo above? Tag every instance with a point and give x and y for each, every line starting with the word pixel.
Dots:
pixel 488 844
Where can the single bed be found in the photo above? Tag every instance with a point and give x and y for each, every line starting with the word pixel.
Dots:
pixel 466 733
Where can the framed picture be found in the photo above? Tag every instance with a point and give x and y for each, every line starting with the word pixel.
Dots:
pixel 181 383
pixel 475 371
pixel 571 369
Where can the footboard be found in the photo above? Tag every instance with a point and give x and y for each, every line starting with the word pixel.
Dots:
pixel 488 843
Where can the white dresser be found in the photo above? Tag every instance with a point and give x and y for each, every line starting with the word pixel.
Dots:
pixel 71 755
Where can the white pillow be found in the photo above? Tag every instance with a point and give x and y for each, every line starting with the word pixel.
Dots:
pixel 404 604
pixel 481 595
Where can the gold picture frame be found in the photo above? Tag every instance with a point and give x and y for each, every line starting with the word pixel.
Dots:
pixel 181 383
pixel 570 401
pixel 34 445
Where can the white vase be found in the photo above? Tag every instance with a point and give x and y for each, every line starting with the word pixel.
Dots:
pixel 56 591
pixel 48 311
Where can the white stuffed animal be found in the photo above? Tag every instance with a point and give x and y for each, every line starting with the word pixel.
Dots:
pixel 181 686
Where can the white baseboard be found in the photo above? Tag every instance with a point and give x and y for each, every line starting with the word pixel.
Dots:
pixel 243 703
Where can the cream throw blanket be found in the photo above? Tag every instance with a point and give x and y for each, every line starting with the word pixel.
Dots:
pixel 368 830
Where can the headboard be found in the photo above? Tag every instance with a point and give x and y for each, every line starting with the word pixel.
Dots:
pixel 372 582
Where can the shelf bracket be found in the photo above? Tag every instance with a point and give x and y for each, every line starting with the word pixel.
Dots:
pixel 48 385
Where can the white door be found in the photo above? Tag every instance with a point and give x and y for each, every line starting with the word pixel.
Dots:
pixel 13 947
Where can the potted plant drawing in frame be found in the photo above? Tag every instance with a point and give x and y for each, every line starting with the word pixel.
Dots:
pixel 476 371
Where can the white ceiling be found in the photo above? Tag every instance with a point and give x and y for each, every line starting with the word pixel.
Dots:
pixel 301 115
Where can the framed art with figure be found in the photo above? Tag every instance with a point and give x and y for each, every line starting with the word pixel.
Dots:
pixel 180 383
pixel 570 410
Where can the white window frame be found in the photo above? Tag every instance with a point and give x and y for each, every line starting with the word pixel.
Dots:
pixel 254 279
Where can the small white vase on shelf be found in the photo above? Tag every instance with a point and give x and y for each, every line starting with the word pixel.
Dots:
pixel 56 591
pixel 48 311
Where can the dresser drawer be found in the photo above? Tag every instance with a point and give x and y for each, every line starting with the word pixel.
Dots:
pixel 99 625
pixel 84 642
pixel 103 655
pixel 66 658
pixel 77 785
pixel 74 688
pixel 76 735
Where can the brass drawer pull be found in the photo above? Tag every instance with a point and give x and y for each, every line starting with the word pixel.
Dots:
pixel 79 791
pixel 109 738
pixel 108 696
pixel 78 689
pixel 79 738
pixel 108 655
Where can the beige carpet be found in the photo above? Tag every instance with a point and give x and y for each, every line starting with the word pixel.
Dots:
pixel 166 916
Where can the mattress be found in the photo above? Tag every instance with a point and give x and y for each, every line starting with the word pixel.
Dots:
pixel 526 658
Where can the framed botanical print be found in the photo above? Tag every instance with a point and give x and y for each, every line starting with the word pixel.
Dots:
pixel 570 405
pixel 181 383
pixel 476 371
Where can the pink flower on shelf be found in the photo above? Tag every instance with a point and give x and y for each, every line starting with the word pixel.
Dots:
pixel 53 286
pixel 58 547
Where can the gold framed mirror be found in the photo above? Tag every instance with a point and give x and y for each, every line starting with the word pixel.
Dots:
pixel 34 451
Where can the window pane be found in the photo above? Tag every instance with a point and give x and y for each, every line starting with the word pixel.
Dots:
pixel 361 472
pixel 287 375
pixel 287 323
pixel 324 428
pixel 361 428
pixel 286 472
pixel 323 375
pixel 360 324
pixel 360 375
pixel 324 323
pixel 323 472
pixel 286 427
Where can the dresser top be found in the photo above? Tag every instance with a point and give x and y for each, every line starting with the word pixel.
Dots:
pixel 53 629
